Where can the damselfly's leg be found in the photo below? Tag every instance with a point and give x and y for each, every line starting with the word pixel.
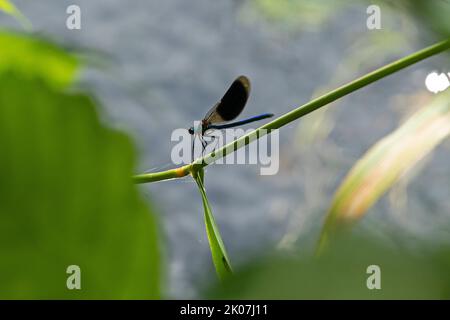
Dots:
pixel 204 144
pixel 193 148
pixel 211 137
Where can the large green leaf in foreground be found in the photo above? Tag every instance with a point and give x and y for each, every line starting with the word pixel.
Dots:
pixel 66 197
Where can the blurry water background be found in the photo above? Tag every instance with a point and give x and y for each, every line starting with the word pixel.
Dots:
pixel 162 64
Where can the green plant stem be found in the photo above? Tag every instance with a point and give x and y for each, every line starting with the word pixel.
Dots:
pixel 218 252
pixel 163 175
pixel 297 113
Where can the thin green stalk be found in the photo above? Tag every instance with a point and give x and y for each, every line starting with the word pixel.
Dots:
pixel 298 113
pixel 218 251
pixel 163 175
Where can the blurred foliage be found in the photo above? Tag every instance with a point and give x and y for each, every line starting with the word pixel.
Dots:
pixel 34 58
pixel 294 14
pixel 365 51
pixel 66 197
pixel 387 161
pixel 341 273
pixel 402 23
pixel 304 14
pixel 9 8
pixel 431 15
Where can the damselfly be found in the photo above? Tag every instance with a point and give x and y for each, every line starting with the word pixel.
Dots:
pixel 227 109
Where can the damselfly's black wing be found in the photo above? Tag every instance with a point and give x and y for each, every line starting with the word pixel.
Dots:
pixel 232 103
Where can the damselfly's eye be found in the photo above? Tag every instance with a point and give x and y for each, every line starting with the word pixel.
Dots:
pixel 191 130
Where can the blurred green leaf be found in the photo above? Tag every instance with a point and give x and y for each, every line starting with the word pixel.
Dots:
pixel 298 14
pixel 9 8
pixel 341 273
pixel 301 14
pixel 35 58
pixel 66 196
pixel 218 252
pixel 433 15
pixel 388 160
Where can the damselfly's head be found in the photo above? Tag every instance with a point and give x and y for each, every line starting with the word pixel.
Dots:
pixel 197 129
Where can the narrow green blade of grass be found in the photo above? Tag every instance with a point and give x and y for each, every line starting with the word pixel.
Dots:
pixel 9 8
pixel 389 159
pixel 218 252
